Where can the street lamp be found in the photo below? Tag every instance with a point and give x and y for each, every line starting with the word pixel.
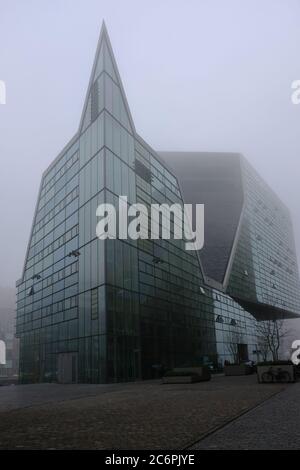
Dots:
pixel 33 278
pixel 74 253
pixel 157 260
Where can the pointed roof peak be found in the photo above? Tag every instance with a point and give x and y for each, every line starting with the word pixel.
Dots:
pixel 103 26
pixel 103 33
pixel 104 38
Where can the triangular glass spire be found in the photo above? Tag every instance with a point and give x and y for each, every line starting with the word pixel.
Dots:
pixel 105 90
pixel 100 62
pixel 105 63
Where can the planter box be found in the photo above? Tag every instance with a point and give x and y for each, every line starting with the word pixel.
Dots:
pixel 276 373
pixel 238 369
pixel 197 374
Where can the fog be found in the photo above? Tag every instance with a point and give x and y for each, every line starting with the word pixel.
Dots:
pixel 199 76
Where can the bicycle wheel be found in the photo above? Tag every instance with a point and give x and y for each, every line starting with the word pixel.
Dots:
pixel 284 376
pixel 267 377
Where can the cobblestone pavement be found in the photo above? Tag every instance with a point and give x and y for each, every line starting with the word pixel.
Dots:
pixel 275 424
pixel 22 396
pixel 144 415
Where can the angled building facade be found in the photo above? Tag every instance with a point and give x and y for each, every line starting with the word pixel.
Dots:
pixel 99 311
pixel 249 245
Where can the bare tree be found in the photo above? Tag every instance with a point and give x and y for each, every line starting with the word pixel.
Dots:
pixel 270 336
pixel 263 347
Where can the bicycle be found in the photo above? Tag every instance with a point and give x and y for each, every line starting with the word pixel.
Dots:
pixel 276 375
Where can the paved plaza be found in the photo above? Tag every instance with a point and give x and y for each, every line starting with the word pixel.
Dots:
pixel 141 415
pixel 275 424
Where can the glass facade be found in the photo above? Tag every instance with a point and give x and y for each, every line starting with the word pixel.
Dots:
pixel 249 243
pixel 115 310
pixel 264 273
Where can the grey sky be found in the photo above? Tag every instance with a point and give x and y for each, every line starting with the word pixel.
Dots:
pixel 199 75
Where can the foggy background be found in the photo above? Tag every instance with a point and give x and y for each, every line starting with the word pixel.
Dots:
pixel 200 75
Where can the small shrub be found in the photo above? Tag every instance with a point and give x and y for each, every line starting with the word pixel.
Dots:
pixel 275 363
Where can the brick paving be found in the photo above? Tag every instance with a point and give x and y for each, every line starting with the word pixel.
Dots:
pixel 144 415
pixel 273 425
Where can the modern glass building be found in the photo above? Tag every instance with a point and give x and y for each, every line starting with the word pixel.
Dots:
pixel 249 243
pixel 94 311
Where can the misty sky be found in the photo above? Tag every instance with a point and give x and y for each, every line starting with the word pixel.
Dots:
pixel 199 75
